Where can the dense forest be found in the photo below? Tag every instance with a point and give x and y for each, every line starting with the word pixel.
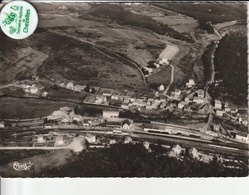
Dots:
pixel 231 65
pixel 209 12
pixel 116 13
pixel 133 160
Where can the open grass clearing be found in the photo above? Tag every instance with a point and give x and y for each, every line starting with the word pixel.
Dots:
pixel 28 108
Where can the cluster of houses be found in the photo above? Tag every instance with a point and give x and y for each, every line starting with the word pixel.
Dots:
pixel 71 86
pixel 141 102
pixel 66 118
pixel 31 89
pixel 51 140
pixel 223 109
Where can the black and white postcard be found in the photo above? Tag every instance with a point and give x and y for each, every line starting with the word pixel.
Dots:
pixel 126 90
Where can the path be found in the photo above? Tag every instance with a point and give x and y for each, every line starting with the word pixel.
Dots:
pixel 171 79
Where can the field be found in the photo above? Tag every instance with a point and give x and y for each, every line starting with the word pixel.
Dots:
pixel 28 108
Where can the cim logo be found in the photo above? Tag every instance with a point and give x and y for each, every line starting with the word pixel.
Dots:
pixel 21 166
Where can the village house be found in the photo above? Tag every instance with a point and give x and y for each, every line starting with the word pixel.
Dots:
pixel 123 94
pixel 106 92
pixel 132 97
pixel 139 103
pixel 234 110
pixel 91 138
pixel 217 104
pixel 79 88
pixel 200 93
pixel 175 151
pixel 220 112
pixel 113 124
pixel 243 120
pixel 151 105
pixel 187 99
pixel 181 105
pixel 110 114
pixel 65 121
pixel 227 109
pixel 216 127
pixel 59 140
pixel 194 153
pixel 40 139
pixel 100 99
pixel 44 94
pixel 161 88
pixel 125 105
pixel 126 125
pixel 61 84
pixel 150 70
pixel 198 100
pixel 2 126
pixel 147 145
pixel 241 136
pixel 70 86
pixel 127 140
pixel 33 89
pixel 190 83
pixel 77 119
pixel 157 65
pixel 115 96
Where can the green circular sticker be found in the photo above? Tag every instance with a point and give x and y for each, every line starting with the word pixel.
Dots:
pixel 18 19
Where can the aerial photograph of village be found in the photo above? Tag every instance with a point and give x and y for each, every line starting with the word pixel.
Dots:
pixel 127 90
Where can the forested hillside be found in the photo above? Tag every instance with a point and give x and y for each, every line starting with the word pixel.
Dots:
pixel 128 160
pixel 231 64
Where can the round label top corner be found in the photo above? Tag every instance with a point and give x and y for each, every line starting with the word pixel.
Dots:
pixel 18 19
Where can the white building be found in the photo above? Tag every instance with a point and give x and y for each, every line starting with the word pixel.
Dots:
pixel 126 126
pixel 2 126
pixel 227 109
pixel 115 96
pixel 44 94
pixel 59 140
pixel 244 137
pixel 220 112
pixel 70 86
pixel 79 88
pixel 40 139
pixel 194 153
pixel 217 104
pixel 33 90
pixel 127 140
pixel 180 105
pixel 190 83
pixel 147 145
pixel 110 114
pixel 176 151
pixel 91 138
pixel 161 88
